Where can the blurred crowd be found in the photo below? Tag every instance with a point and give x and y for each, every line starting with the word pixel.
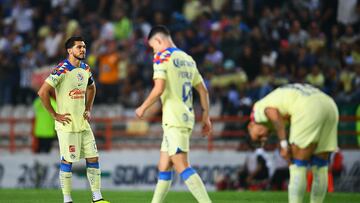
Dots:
pixel 243 48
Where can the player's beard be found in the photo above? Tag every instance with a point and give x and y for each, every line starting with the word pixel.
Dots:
pixel 79 57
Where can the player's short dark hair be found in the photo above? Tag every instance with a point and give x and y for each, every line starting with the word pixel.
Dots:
pixel 158 29
pixel 71 41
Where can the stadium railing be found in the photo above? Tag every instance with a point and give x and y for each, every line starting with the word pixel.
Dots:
pixel 128 132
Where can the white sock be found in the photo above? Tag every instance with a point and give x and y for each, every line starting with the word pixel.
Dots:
pixel 319 184
pixel 96 195
pixel 297 184
pixel 67 198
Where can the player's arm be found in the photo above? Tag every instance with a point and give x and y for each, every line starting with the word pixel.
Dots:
pixel 44 94
pixel 278 123
pixel 205 105
pixel 90 96
pixel 156 92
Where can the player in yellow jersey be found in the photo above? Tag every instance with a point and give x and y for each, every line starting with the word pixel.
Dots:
pixel 313 118
pixel 75 91
pixel 175 74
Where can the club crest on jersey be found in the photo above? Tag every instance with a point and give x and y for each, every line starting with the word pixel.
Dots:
pixel 80 77
pixel 185 117
pixel 71 148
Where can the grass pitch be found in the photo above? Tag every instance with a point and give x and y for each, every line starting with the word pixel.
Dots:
pixel 82 196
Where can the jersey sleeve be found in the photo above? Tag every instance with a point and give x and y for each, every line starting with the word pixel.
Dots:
pixel 259 113
pixel 197 78
pixel 160 63
pixel 56 77
pixel 91 78
pixel 273 99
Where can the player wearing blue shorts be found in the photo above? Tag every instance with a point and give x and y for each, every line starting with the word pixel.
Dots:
pixel 75 91
pixel 175 74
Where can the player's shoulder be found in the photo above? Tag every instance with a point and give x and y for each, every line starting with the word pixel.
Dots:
pixel 165 55
pixel 85 66
pixel 61 68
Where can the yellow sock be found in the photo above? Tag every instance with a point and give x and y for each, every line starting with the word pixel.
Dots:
pixel 319 184
pixel 297 184
pixel 195 185
pixel 65 183
pixel 93 175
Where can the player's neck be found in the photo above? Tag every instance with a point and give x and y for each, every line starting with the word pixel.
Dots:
pixel 167 46
pixel 74 61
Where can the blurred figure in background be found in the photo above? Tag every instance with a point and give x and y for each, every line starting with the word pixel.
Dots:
pixel 44 127
pixel 313 136
pixel 281 172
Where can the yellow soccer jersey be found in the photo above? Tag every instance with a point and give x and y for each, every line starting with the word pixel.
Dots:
pixel 288 99
pixel 181 74
pixel 70 85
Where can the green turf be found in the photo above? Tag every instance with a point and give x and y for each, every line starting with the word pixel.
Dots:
pixel 54 196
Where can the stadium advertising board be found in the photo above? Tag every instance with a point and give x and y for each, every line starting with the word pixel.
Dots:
pixel 126 169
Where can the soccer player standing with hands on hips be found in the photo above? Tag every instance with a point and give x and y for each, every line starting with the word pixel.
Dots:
pixel 313 120
pixel 175 74
pixel 75 91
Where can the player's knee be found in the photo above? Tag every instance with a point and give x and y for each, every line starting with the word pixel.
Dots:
pixel 92 160
pixel 164 166
pixel 319 162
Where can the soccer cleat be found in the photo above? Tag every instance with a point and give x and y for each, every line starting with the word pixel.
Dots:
pixel 101 201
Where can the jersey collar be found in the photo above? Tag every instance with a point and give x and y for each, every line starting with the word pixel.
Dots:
pixel 70 67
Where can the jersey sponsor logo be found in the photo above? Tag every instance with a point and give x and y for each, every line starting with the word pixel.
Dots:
pixel 77 94
pixel 178 63
pixel 72 148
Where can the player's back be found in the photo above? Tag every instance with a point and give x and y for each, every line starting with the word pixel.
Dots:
pixel 290 98
pixel 181 76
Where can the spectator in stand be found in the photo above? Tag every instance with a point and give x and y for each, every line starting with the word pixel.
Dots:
pixel 297 36
pixel 108 73
pixel 255 172
pixel 316 77
pixel 281 174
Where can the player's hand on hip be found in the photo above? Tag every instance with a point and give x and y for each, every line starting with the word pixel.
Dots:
pixel 87 115
pixel 140 112
pixel 63 118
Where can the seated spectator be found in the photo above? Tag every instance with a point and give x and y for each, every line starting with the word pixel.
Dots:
pixel 255 172
pixel 281 174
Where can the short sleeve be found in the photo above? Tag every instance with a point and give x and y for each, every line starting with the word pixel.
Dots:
pixel 197 78
pixel 55 77
pixel 91 78
pixel 159 71
pixel 259 113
